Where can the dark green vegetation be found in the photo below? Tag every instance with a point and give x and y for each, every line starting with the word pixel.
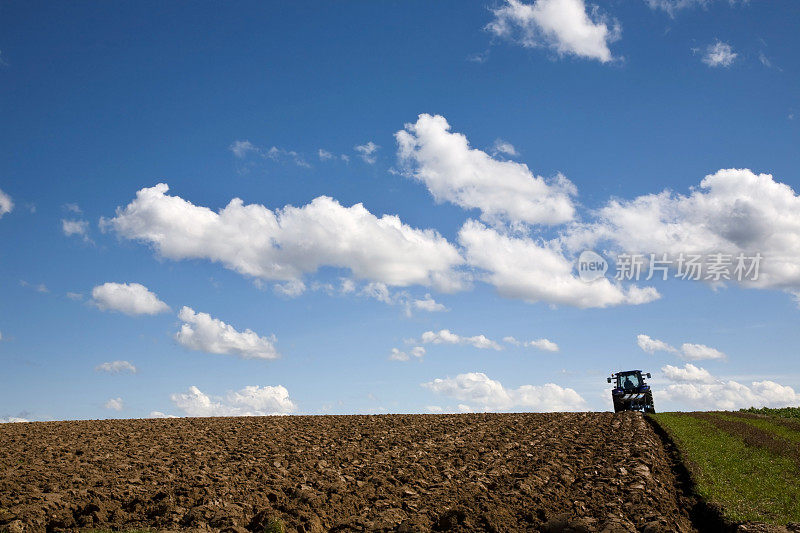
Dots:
pixel 783 412
pixel 747 463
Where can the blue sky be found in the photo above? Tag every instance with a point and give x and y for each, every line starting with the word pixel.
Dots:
pixel 498 141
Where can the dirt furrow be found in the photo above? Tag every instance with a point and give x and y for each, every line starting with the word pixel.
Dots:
pixel 478 472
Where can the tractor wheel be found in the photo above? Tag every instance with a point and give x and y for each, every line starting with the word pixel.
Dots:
pixel 649 406
pixel 619 405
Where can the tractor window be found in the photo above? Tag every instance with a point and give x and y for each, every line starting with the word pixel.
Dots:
pixel 629 381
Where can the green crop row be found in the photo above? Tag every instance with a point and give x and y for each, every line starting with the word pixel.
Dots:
pixel 746 465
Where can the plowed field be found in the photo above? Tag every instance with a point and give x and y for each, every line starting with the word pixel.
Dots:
pixel 476 472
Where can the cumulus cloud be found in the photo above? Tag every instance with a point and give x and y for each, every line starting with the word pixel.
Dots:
pixel 6 204
pixel 445 336
pixel 733 211
pixel 651 345
pixel 688 374
pixel 429 304
pixel 291 289
pixel 128 298
pixel 696 352
pixel 695 388
pixel 285 244
pixel 367 152
pixel 12 419
pixel 545 345
pixel 202 332
pixel 79 228
pixel 324 155
pixel 520 267
pixel 249 401
pixel 503 147
pixel 398 355
pixel 114 404
pixel 490 395
pixel 116 367
pixel 564 26
pixel 159 414
pixel 719 54
pixel 470 178
pixel 687 351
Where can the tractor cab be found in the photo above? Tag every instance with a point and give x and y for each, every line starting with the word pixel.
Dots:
pixel 630 392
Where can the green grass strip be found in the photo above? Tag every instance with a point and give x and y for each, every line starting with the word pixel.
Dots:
pixel 765 424
pixel 783 412
pixel 749 483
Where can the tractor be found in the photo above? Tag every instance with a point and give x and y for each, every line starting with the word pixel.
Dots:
pixel 630 392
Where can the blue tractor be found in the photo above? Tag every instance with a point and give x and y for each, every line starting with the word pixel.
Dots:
pixel 630 392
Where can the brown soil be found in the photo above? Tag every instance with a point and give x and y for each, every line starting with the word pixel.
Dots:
pixel 478 472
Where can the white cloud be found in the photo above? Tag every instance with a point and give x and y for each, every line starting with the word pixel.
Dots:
pixel 651 345
pixel 478 389
pixel 434 408
pixel 78 228
pixel 12 419
pixel 733 211
pixel 688 374
pixel 697 389
pixel 324 155
pixel 445 336
pixel 115 404
pixel 471 178
pixel 6 204
pixel 367 152
pixel 687 351
pixel 347 286
pixel 116 367
pixel 429 304
pixel 522 268
pixel 281 154
pixel 202 332
pixel 540 344
pixel 159 414
pixel 283 245
pixel 73 208
pixel 128 298
pixel 503 147
pixel 673 6
pixel 719 54
pixel 291 289
pixel 398 355
pixel 41 287
pixel 543 344
pixel 378 291
pixel 75 296
pixel 564 26
pixel 696 352
pixel 249 401
pixel 242 148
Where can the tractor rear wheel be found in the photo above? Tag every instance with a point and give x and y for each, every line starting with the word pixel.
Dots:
pixel 619 405
pixel 649 407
